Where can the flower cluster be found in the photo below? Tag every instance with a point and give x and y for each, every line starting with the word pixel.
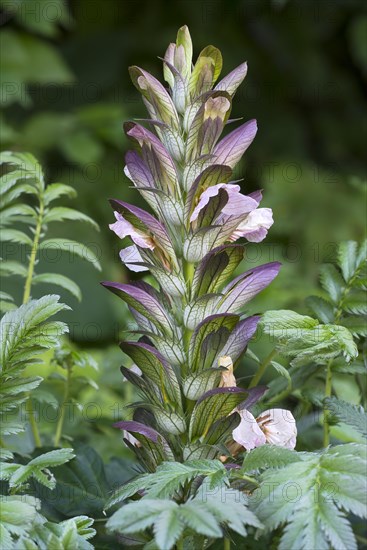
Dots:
pixel 190 324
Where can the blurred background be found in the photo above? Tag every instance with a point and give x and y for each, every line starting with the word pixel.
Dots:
pixel 66 92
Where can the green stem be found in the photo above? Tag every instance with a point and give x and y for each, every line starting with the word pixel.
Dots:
pixel 33 422
pixel 26 296
pixel 180 544
pixel 328 389
pixel 262 368
pixel 60 422
pixel 189 270
pixel 226 544
pixel 33 255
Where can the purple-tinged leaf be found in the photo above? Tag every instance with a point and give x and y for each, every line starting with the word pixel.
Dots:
pixel 246 286
pixel 138 428
pixel 178 85
pixel 215 268
pixel 214 405
pixel 156 95
pixel 229 466
pixel 239 338
pixel 254 395
pixel 233 80
pixel 231 148
pixel 219 391
pixel 156 157
pixel 207 125
pixel 143 302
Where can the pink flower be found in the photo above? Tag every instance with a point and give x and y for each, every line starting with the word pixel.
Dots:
pixel 274 426
pixel 123 229
pixel 253 222
pixel 255 226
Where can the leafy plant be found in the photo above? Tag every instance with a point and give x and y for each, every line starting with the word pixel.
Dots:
pixel 190 321
pixel 311 495
pixel 27 332
pixel 192 422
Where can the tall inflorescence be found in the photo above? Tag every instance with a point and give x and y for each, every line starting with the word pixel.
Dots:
pixel 190 331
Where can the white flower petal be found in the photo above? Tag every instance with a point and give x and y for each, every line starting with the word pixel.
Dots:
pixel 131 256
pixel 279 427
pixel 123 229
pixel 248 433
pixel 255 226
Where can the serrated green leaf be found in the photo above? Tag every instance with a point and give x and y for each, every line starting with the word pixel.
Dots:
pixel 59 280
pixel 168 529
pixel 306 496
pixel 357 324
pixel 332 282
pixel 56 190
pixel 322 309
pixel 349 414
pixel 10 267
pixel 72 247
pixel 347 258
pixel 16 236
pixel 27 331
pixel 269 456
pixel 61 213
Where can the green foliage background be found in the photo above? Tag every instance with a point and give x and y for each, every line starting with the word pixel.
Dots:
pixel 65 93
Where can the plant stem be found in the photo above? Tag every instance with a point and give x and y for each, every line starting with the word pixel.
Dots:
pixel 60 422
pixel 262 368
pixel 33 422
pixel 328 388
pixel 33 255
pixel 226 544
pixel 26 296
pixel 180 544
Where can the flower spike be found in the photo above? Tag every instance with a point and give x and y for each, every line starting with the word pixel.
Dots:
pixel 190 330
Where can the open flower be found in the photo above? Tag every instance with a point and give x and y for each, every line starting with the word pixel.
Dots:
pixel 274 426
pixel 253 222
pixel 255 225
pixel 123 229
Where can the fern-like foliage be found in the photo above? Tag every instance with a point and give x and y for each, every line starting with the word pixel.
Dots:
pixel 26 223
pixel 25 333
pixel 18 475
pixel 28 331
pixel 311 496
pixel 352 415
pixel 345 285
pixel 22 527
pixel 170 478
pixel 306 340
pixel 209 514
